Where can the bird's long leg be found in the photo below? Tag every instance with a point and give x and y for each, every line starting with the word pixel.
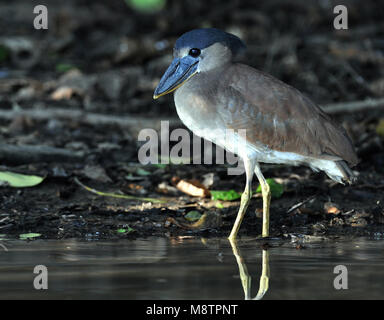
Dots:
pixel 249 166
pixel 264 278
pixel 266 192
pixel 244 275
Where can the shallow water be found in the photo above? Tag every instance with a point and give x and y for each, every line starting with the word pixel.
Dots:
pixel 190 268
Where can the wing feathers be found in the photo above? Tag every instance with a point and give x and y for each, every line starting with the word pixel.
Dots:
pixel 279 116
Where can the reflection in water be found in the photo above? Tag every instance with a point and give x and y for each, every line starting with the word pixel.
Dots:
pixel 264 278
pixel 246 279
pixel 186 268
pixel 3 246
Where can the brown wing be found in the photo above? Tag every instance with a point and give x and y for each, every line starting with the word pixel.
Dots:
pixel 279 116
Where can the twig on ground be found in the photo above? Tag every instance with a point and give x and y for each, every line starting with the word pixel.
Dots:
pixel 144 122
pixel 298 205
pixel 87 117
pixel 34 154
pixel 115 195
pixel 353 106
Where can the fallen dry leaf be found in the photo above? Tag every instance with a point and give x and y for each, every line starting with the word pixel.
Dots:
pixel 331 208
pixel 167 189
pixel 63 93
pixel 192 188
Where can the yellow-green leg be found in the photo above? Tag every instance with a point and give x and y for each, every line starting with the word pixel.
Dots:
pixel 264 278
pixel 249 166
pixel 244 275
pixel 266 193
pixel 246 278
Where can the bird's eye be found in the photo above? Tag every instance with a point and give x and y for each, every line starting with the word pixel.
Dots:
pixel 194 52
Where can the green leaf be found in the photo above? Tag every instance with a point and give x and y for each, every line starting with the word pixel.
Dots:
pixel 193 215
pixel 146 5
pixel 18 180
pixel 64 67
pixel 160 165
pixel 142 172
pixel 225 195
pixel 277 189
pixel 219 205
pixel 25 236
pixel 4 53
pixel 125 230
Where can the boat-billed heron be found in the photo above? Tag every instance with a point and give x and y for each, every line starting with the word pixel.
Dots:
pixel 214 94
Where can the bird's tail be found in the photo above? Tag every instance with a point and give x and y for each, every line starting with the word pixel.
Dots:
pixel 348 175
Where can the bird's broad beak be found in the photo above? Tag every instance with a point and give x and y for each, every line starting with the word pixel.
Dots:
pixel 177 73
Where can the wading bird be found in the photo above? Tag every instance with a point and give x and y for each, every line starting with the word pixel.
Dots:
pixel 213 94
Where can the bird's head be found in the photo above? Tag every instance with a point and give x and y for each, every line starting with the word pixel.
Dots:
pixel 199 50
